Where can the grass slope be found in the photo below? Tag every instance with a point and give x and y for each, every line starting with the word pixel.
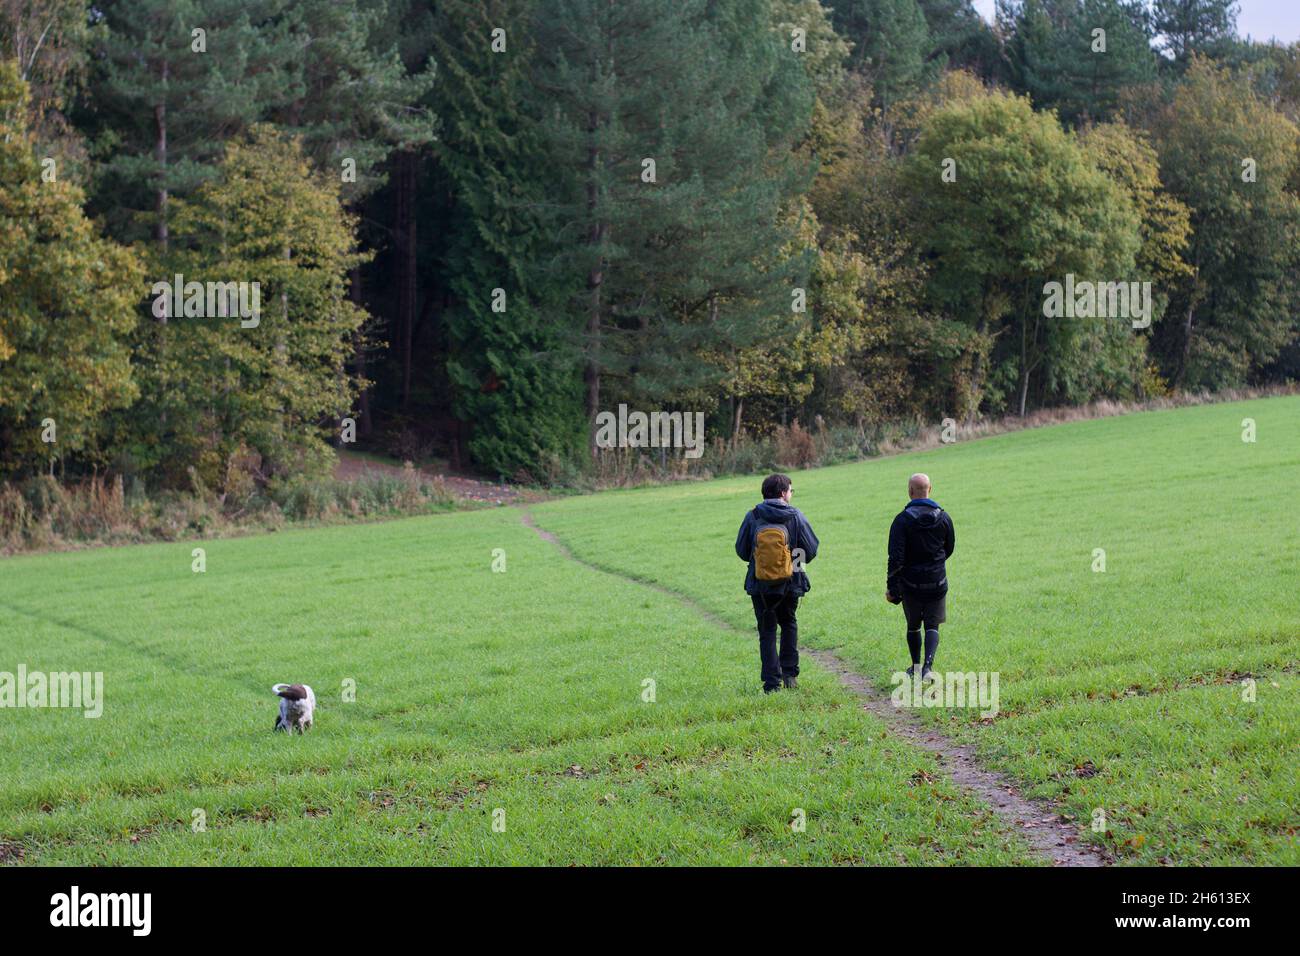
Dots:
pixel 522 691
pixel 476 691
pixel 1119 689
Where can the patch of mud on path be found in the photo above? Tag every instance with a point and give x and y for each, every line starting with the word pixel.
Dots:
pixel 1038 821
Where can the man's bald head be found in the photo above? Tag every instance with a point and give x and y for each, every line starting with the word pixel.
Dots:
pixel 918 486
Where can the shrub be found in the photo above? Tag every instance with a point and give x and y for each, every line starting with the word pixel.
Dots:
pixel 794 446
pixel 41 513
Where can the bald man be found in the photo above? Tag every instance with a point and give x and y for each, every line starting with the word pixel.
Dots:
pixel 921 540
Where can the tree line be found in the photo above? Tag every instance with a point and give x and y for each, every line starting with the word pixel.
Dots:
pixel 473 227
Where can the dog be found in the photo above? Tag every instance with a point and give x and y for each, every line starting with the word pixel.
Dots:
pixel 297 707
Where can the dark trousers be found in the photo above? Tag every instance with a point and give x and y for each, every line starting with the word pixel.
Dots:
pixel 772 610
pixel 928 609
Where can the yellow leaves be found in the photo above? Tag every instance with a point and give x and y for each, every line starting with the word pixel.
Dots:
pixel 1129 160
pixel 265 218
pixel 66 298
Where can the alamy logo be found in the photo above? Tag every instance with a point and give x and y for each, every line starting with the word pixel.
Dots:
pixel 657 430
pixel 37 689
pixel 951 690
pixel 1098 300
pixel 211 300
pixel 103 909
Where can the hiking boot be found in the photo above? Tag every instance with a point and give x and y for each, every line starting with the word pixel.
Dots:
pixel 927 673
pixel 911 671
pixel 790 682
pixel 771 690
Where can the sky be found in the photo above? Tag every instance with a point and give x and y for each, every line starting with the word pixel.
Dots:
pixel 1261 19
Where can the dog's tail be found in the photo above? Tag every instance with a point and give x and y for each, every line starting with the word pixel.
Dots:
pixel 290 691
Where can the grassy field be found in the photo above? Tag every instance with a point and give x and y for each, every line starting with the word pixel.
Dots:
pixel 519 698
pixel 476 691
pixel 1119 689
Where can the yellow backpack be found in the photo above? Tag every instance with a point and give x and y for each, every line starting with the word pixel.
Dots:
pixel 772 558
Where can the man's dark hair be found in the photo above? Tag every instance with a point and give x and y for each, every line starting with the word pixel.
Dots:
pixel 774 486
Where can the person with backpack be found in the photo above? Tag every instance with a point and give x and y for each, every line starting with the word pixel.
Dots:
pixel 777 541
pixel 921 540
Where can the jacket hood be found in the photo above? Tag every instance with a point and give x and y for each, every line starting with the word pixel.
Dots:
pixel 774 510
pixel 924 511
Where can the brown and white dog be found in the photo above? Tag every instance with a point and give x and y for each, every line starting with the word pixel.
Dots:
pixel 297 706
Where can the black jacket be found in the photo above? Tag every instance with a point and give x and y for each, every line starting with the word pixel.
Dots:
pixel 920 541
pixel 798 532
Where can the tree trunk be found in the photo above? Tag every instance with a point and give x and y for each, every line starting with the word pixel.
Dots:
pixel 458 453
pixel 160 200
pixel 404 242
pixel 359 359
pixel 739 402
pixel 596 237
pixel 1024 365
pixel 591 375
pixel 976 386
pixel 160 154
pixel 1187 345
pixel 412 279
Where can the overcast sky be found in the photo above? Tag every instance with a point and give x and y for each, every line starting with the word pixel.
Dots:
pixel 1261 19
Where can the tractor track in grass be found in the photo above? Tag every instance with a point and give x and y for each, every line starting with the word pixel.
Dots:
pixel 1039 822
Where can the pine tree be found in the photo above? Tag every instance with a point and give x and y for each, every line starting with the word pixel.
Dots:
pixel 1078 56
pixel 960 39
pixel 176 79
pixel 515 383
pixel 669 128
pixel 355 100
pixel 1195 26
pixel 364 73
pixel 891 44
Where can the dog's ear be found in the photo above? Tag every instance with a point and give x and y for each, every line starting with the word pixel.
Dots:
pixel 293 692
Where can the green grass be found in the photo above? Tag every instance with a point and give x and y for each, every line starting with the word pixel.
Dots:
pixel 476 691
pixel 522 691
pixel 1098 671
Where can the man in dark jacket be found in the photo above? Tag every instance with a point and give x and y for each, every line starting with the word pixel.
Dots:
pixel 921 540
pixel 777 541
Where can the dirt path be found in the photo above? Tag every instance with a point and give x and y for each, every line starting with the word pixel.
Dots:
pixel 351 467
pixel 1039 821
